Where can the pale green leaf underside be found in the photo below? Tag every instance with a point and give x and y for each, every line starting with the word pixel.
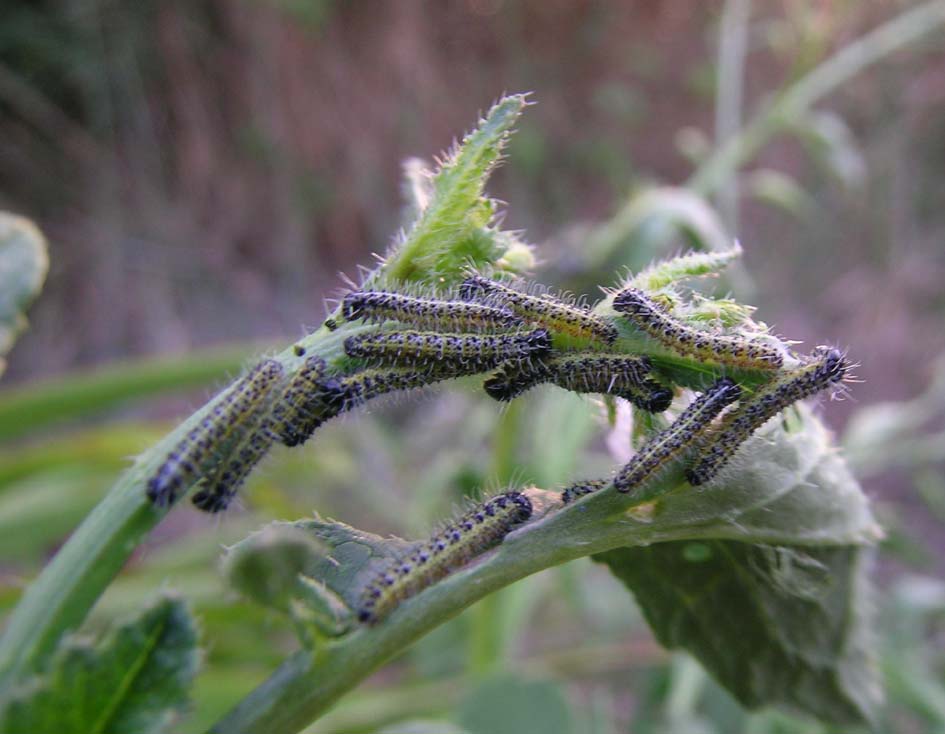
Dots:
pixel 23 265
pixel 136 679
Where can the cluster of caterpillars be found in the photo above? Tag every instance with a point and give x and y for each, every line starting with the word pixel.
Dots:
pixel 519 338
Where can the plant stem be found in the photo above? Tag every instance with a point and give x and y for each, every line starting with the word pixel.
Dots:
pixel 798 98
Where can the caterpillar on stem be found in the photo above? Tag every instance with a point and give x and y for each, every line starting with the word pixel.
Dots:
pixel 428 313
pixel 546 310
pixel 229 419
pixel 731 351
pixel 341 393
pixel 461 354
pixel 580 489
pixel 456 545
pixel 659 450
pixel 827 367
pixel 298 411
pixel 611 374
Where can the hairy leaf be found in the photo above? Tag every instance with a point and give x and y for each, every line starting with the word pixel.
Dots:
pixel 451 229
pixel 23 266
pixel 775 624
pixel 136 679
pixel 663 273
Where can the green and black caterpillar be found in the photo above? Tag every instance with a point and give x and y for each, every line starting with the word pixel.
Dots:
pixel 477 531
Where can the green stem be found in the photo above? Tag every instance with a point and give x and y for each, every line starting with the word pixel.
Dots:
pixel 798 98
pixel 59 599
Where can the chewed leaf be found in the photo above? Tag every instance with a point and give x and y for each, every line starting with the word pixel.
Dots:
pixel 136 679
pixel 23 265
pixel 313 570
pixel 775 624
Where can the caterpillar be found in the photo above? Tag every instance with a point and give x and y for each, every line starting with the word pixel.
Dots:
pixel 580 489
pixel 440 315
pixel 453 547
pixel 612 374
pixel 220 486
pixel 684 340
pixel 828 367
pixel 546 310
pixel 460 354
pixel 200 449
pixel 667 444
pixel 341 393
pixel 298 411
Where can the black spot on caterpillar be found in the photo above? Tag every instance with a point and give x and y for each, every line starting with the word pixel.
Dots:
pixel 546 310
pixel 227 421
pixel 439 315
pixel 827 368
pixel 453 547
pixel 298 350
pixel 298 411
pixel 331 324
pixel 580 489
pixel 669 443
pixel 611 374
pixel 684 340
pixel 459 354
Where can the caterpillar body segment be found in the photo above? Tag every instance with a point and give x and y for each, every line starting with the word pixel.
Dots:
pixel 828 367
pixel 553 313
pixel 731 351
pixel 298 411
pixel 461 354
pixel 580 489
pixel 666 445
pixel 611 374
pixel 227 422
pixel 456 545
pixel 427 313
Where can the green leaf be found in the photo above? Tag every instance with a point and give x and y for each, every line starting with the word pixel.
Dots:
pixel 23 265
pixel 451 231
pixel 312 570
pixel 136 679
pixel 510 705
pixel 694 264
pixel 775 624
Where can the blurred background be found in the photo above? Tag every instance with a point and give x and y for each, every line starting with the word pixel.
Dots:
pixel 203 170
